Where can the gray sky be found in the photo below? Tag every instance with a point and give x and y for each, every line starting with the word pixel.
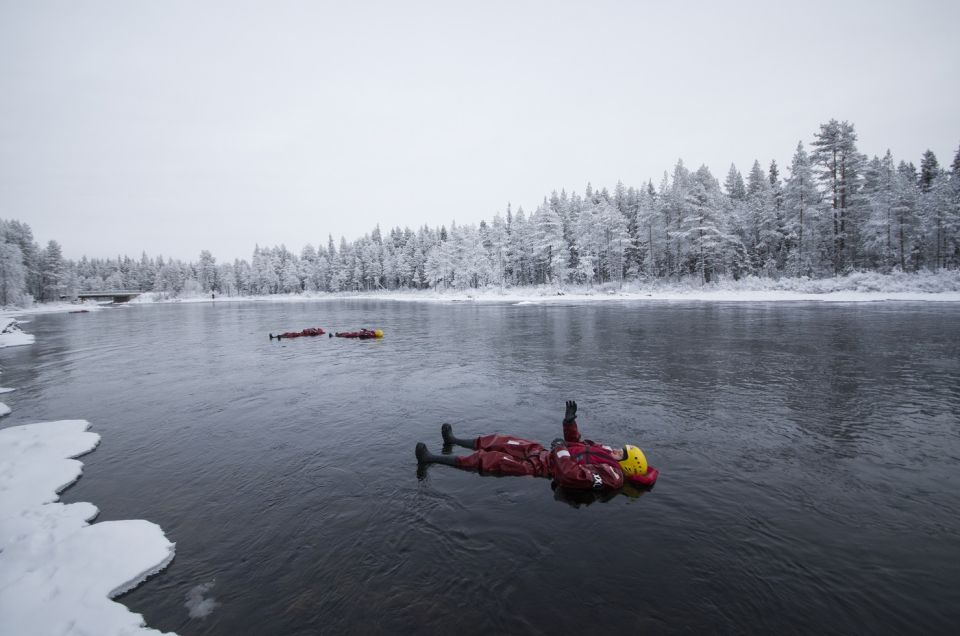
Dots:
pixel 172 126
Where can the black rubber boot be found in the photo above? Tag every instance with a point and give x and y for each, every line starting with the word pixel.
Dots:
pixel 447 432
pixel 424 456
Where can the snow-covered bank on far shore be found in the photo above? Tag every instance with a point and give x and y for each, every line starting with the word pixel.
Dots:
pixel 52 308
pixel 57 571
pixel 859 287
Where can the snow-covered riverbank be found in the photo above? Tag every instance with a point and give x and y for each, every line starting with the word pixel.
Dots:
pixel 867 287
pixel 57 571
pixel 943 286
pixel 11 335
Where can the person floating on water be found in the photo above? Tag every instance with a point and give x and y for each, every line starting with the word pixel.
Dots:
pixel 572 462
pixel 363 334
pixel 309 331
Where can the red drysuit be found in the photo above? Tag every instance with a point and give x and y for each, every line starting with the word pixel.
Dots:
pixel 579 464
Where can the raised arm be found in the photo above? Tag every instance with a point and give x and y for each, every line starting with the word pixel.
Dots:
pixel 570 431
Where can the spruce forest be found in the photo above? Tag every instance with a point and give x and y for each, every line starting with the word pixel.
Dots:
pixel 832 211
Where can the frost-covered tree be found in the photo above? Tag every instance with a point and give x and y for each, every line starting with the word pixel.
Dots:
pixel 550 247
pixel 522 248
pixel 761 238
pixel 264 278
pixel 226 280
pixel 589 245
pixel 935 203
pixel 615 241
pixel 649 231
pixel 146 274
pixel 673 203
pixel 53 272
pixel 800 198
pixel 12 278
pixel 207 272
pixel 880 193
pixel 701 225
pixel 929 170
pixel 170 278
pixel 497 249
pixel 734 185
pixel 905 212
pixel 835 151
pixel 290 277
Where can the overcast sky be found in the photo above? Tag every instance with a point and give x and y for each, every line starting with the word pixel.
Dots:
pixel 172 127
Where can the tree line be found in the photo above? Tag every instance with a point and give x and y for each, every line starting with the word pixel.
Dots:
pixel 835 211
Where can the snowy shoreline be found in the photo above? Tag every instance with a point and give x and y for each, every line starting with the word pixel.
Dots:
pixel 866 287
pixel 58 572
pixel 942 286
pixel 573 297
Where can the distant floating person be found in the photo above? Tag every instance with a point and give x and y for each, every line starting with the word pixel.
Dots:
pixel 363 334
pixel 309 331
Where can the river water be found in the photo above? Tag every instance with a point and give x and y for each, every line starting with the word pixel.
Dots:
pixel 809 460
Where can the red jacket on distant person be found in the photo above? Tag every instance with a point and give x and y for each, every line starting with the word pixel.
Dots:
pixel 575 463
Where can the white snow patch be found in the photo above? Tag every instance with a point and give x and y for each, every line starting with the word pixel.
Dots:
pixel 54 308
pixel 58 572
pixel 198 606
pixel 11 335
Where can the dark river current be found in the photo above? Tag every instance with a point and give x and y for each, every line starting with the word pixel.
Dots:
pixel 809 457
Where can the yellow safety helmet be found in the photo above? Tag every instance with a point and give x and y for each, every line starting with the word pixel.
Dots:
pixel 634 462
pixel 378 333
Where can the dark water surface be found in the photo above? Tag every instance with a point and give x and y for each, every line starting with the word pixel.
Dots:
pixel 810 456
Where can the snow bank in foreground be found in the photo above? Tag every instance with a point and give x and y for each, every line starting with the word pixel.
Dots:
pixel 11 335
pixel 58 572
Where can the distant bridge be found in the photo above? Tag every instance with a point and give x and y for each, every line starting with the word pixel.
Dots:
pixel 113 295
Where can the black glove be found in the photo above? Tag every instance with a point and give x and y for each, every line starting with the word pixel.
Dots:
pixel 571 414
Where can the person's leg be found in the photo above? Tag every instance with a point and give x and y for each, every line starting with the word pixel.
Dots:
pixel 496 463
pixel 483 462
pixel 514 446
pixel 424 456
pixel 446 431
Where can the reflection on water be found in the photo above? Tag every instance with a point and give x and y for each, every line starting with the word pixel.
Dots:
pixel 808 461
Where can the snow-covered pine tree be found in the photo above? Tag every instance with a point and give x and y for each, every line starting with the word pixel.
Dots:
pixel 934 204
pixel 207 272
pixel 734 186
pixel 12 277
pixel 905 212
pixel 550 248
pixel 879 191
pixel 835 150
pixel 615 240
pixel 673 203
pixel 588 243
pixel 52 272
pixel 701 226
pixel 800 198
pixel 758 219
